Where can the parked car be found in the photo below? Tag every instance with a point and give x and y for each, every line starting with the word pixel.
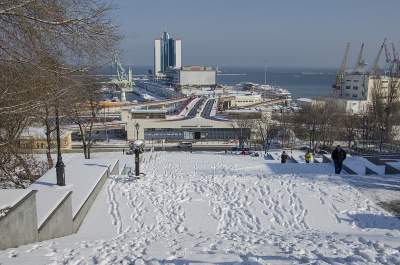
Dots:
pixel 185 145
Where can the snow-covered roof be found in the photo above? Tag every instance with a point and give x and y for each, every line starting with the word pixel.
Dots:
pixel 39 133
pixel 139 111
pixel 243 111
pixel 307 100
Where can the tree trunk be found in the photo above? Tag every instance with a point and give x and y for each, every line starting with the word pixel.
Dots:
pixel 50 162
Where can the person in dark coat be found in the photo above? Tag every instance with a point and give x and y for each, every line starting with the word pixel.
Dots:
pixel 284 157
pixel 338 156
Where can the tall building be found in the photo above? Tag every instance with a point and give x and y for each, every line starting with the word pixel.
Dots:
pixel 167 54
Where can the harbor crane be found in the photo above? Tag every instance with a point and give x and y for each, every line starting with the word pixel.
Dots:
pixel 360 60
pixel 124 82
pixel 340 75
pixel 392 60
pixel 375 66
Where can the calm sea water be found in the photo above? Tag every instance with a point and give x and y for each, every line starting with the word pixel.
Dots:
pixel 301 82
pixel 311 83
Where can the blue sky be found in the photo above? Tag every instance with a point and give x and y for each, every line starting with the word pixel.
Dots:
pixel 288 33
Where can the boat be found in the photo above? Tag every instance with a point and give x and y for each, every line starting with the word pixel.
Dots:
pixel 267 91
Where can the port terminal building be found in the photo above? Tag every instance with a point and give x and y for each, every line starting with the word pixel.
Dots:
pixel 153 125
pixel 356 91
pixel 197 76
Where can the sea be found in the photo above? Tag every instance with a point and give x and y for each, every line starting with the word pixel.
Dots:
pixel 301 82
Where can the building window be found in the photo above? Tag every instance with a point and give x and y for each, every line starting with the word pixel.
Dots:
pixel 355 87
pixel 354 95
pixel 347 95
pixel 348 87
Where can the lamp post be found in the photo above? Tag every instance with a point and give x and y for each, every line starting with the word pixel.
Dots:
pixel 137 126
pixel 60 167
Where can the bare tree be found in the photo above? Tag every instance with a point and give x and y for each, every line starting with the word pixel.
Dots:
pixel 317 123
pixel 383 109
pixel 350 124
pixel 85 110
pixel 43 44
pixel 267 130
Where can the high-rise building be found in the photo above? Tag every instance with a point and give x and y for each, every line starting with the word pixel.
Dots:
pixel 167 54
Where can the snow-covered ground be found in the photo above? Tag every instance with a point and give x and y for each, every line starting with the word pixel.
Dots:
pixel 226 209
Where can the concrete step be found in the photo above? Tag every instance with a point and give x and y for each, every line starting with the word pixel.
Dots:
pixel 301 168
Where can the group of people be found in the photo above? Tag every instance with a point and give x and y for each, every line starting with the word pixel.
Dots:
pixel 308 157
pixel 338 156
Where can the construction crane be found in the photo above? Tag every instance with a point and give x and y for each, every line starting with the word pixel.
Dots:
pixel 341 73
pixel 389 59
pixel 123 80
pixel 396 61
pixel 375 66
pixel 387 53
pixel 360 60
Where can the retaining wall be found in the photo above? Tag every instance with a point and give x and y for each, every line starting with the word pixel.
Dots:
pixel 59 222
pixel 19 225
pixel 82 212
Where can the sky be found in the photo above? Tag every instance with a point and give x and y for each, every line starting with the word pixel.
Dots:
pixel 245 33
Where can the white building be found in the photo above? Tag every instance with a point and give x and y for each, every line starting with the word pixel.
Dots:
pixel 246 100
pixel 193 76
pixel 356 91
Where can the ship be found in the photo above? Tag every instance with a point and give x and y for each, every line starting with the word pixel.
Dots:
pixel 267 91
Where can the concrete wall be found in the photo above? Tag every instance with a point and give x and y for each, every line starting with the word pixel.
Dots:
pixel 19 226
pixel 59 222
pixel 389 170
pixel 115 169
pixel 81 214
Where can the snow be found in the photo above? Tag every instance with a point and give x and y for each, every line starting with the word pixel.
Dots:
pixel 213 208
pixel 47 201
pixel 396 165
pixel 359 164
pixel 8 198
pixel 81 177
pixel 214 109
pixel 185 110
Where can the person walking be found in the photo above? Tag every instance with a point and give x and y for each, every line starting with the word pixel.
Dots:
pixel 338 156
pixel 308 157
pixel 284 157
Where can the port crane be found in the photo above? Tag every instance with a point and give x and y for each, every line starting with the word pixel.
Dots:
pixel 375 66
pixel 341 73
pixel 122 81
pixel 392 60
pixel 360 60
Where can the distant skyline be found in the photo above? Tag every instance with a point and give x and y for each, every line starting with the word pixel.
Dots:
pixel 287 33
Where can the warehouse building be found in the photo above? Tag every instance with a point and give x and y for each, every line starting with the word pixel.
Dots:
pixel 198 76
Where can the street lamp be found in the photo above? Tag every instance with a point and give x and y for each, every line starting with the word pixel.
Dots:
pixel 137 126
pixel 60 167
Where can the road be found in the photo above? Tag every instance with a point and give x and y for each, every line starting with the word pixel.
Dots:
pixel 195 109
pixel 207 109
